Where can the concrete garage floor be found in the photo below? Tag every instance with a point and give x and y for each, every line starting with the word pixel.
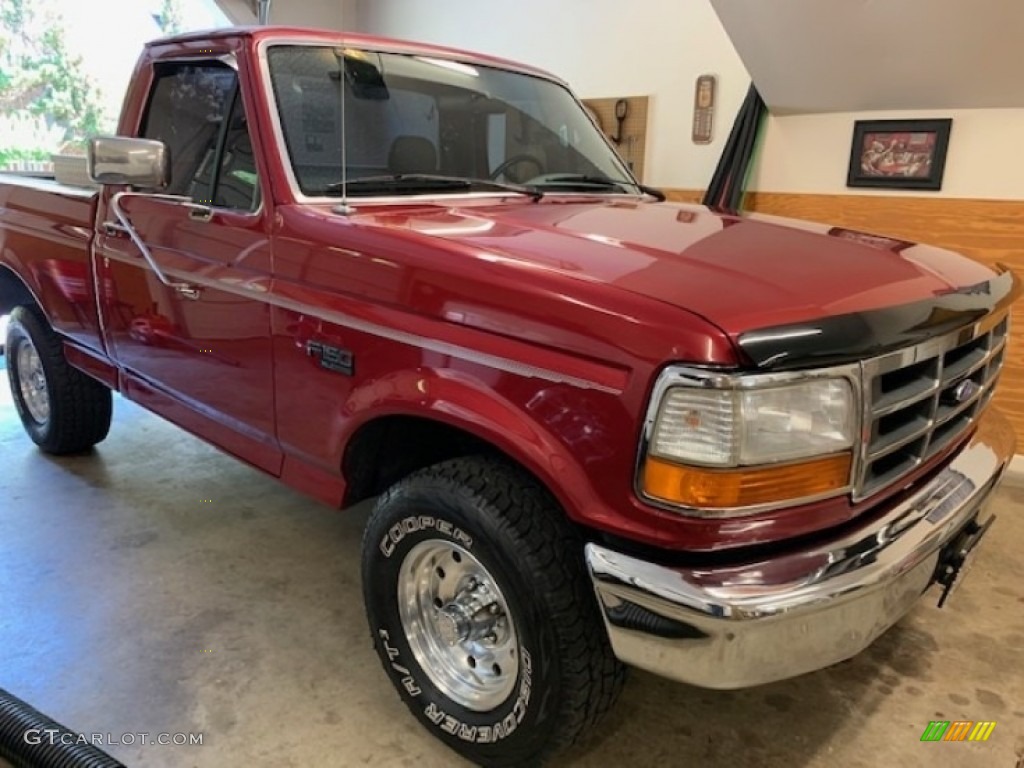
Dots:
pixel 159 586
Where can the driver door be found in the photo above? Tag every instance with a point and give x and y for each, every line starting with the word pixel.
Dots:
pixel 197 351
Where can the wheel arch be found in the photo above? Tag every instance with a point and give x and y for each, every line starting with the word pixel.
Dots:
pixel 454 415
pixel 15 292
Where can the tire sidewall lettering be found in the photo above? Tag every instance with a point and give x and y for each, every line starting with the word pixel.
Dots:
pixel 416 523
pixel 450 719
pixel 497 730
pixel 407 680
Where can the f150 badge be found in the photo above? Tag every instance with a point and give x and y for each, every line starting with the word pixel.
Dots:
pixel 332 358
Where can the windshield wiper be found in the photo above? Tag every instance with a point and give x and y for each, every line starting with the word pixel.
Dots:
pixel 412 183
pixel 582 181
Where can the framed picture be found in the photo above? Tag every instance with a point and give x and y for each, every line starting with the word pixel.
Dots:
pixel 898 154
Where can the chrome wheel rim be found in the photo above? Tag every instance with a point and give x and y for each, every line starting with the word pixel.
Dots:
pixel 458 625
pixel 32 382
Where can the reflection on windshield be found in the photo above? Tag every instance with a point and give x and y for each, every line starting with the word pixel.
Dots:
pixel 407 115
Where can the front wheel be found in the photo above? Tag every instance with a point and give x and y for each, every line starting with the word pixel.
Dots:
pixel 62 409
pixel 482 613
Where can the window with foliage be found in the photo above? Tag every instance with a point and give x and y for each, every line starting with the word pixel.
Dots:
pixel 65 64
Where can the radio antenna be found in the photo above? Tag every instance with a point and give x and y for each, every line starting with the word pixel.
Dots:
pixel 343 207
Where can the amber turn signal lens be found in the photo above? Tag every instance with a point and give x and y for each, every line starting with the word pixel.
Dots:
pixel 744 486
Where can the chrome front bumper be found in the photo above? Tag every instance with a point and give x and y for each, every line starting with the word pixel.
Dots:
pixel 738 626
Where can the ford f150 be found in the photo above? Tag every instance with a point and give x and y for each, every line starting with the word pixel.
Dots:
pixel 602 429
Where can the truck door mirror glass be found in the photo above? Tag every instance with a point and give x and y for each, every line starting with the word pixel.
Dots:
pixel 120 160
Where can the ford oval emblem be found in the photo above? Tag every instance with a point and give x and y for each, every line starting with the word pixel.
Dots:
pixel 965 390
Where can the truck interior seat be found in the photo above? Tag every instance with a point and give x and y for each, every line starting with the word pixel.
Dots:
pixel 412 154
pixel 238 187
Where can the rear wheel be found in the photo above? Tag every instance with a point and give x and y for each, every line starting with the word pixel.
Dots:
pixel 482 613
pixel 62 409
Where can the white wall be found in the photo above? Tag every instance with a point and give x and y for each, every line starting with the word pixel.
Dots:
pixel 240 12
pixel 837 61
pixel 603 48
pixel 814 56
pixel 811 153
pixel 329 14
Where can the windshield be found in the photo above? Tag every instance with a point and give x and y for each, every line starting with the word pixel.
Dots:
pixel 410 115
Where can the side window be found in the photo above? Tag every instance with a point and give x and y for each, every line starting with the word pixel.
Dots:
pixel 186 111
pixel 196 110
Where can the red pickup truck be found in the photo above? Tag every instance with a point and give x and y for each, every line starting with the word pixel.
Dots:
pixel 602 428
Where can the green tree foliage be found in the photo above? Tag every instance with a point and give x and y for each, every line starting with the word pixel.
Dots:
pixel 169 19
pixel 39 75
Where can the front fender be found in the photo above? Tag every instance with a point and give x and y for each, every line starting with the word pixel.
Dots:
pixel 528 420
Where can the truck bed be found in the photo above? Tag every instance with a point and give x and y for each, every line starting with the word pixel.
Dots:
pixel 46 232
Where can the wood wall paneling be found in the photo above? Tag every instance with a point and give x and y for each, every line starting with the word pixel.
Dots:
pixel 633 144
pixel 684 195
pixel 989 231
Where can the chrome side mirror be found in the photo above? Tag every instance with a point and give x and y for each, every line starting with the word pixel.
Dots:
pixel 138 162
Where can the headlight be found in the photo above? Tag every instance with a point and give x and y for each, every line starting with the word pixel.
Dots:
pixel 734 444
pixel 729 427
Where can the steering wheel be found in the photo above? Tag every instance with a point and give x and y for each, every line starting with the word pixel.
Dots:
pixel 515 160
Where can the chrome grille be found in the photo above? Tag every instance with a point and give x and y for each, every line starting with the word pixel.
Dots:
pixel 916 402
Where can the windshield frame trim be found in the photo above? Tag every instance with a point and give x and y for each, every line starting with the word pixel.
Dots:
pixel 277 128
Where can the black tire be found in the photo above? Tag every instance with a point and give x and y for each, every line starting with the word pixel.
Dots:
pixel 567 676
pixel 79 407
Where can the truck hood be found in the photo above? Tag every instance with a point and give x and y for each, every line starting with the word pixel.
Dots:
pixel 740 272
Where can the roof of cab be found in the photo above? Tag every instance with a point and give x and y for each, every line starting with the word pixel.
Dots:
pixel 320 36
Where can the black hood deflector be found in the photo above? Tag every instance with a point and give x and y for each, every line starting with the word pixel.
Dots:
pixel 848 338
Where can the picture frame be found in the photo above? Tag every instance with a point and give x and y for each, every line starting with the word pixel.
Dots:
pixel 899 154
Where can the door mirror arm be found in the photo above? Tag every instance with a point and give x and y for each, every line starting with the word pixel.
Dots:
pixel 185 289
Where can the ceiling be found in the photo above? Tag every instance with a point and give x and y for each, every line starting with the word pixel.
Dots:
pixel 865 55
pixel 239 11
pixel 330 14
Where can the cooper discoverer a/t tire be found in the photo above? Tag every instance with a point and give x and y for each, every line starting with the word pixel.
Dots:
pixel 482 613
pixel 62 409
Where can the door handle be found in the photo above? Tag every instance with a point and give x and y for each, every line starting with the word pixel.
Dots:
pixel 188 291
pixel 200 212
pixel 113 229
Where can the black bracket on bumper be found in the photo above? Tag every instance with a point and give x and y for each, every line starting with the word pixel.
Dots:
pixel 956 557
